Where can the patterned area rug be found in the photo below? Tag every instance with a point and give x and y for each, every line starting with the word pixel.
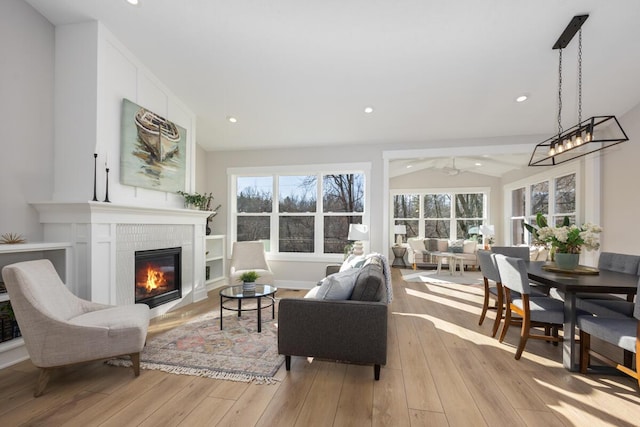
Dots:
pixel 200 348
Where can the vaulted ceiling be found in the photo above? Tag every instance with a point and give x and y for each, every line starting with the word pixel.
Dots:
pixel 300 73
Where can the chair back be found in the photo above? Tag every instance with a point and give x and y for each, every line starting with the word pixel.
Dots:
pixel 512 251
pixel 488 265
pixel 513 272
pixel 636 311
pixel 248 256
pixel 621 263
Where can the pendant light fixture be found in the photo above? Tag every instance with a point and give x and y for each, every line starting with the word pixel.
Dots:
pixel 586 137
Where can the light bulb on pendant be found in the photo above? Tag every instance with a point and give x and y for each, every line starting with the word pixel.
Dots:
pixel 552 150
pixel 560 148
pixel 579 140
pixel 570 143
pixel 587 137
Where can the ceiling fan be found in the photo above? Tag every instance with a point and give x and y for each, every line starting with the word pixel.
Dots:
pixel 452 171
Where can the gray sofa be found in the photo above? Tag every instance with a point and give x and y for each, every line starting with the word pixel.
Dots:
pixel 352 330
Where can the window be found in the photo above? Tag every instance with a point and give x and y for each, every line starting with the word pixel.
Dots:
pixel 447 215
pixel 555 197
pixel 298 213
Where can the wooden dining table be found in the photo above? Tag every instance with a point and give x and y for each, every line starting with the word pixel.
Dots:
pixel 605 282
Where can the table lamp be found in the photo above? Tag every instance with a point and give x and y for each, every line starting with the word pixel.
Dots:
pixel 399 231
pixel 358 233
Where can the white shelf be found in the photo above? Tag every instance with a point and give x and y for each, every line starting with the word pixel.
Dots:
pixel 215 261
pixel 13 351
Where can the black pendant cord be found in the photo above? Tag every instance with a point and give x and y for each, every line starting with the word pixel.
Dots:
pixel 95 196
pixel 106 197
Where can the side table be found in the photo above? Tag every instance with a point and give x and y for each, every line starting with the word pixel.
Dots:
pixel 398 256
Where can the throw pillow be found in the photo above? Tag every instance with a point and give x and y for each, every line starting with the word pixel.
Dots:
pixel 338 286
pixel 456 246
pixel 431 245
pixel 352 261
pixel 469 246
pixel 443 245
pixel 313 293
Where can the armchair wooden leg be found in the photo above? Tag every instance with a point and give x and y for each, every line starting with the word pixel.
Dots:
pixel 135 363
pixel 376 372
pixel 43 379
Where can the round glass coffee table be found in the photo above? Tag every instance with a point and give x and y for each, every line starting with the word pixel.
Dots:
pixel 235 293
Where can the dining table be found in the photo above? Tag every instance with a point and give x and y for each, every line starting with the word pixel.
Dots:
pixel 572 283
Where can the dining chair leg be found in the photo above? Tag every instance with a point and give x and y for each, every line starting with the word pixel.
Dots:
pixel 499 309
pixel 585 344
pixel 524 336
pixel 507 322
pixel 485 303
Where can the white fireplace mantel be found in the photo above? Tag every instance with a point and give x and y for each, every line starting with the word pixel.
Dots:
pixel 105 237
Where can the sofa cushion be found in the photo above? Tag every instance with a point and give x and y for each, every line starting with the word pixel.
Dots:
pixel 416 244
pixel 443 245
pixel 338 286
pixel 370 284
pixel 456 246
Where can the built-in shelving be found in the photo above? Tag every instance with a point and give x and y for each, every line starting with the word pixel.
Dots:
pixel 13 350
pixel 214 259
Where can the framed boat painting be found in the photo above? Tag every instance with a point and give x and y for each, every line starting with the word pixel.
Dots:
pixel 153 150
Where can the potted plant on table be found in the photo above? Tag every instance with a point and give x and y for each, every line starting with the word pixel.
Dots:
pixel 248 279
pixel 566 240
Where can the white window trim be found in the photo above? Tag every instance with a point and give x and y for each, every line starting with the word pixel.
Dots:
pixel 275 171
pixel 422 191
pixel 549 175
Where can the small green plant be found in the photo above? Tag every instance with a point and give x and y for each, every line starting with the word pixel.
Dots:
pixel 199 201
pixel 248 277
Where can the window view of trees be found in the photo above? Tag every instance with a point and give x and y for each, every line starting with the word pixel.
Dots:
pixel 298 212
pixel 440 218
pixel 554 205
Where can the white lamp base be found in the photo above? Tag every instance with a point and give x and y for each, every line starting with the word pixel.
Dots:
pixel 357 248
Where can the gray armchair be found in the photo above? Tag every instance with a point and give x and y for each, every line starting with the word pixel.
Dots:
pixel 61 329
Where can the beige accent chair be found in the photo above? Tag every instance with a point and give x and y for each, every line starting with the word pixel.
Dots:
pixel 61 329
pixel 250 256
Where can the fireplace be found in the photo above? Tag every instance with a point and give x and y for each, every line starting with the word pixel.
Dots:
pixel 158 276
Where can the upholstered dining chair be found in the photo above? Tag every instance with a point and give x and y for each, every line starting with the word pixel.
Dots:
pixel 621 332
pixel 490 273
pixel 512 251
pixel 535 311
pixel 250 256
pixel 60 329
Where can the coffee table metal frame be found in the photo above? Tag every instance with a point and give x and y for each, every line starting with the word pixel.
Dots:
pixel 236 293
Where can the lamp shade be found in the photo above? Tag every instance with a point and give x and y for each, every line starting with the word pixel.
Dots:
pixel 400 229
pixel 488 230
pixel 358 232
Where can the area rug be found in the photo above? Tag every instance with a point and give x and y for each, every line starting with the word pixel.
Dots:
pixel 200 348
pixel 432 276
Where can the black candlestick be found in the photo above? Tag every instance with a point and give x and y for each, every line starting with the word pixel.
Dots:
pixel 95 157
pixel 106 193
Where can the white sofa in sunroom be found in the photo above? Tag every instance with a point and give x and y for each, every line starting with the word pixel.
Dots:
pixel 421 251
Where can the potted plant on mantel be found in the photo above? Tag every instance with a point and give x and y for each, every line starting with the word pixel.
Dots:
pixel 200 202
pixel 248 279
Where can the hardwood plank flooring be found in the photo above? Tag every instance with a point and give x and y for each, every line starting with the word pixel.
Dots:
pixel 443 370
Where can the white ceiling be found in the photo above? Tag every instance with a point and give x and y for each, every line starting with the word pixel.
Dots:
pixel 299 73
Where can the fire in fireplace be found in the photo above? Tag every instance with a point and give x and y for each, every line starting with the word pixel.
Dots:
pixel 158 276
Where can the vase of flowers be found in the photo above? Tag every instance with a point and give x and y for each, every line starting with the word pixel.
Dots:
pixel 566 240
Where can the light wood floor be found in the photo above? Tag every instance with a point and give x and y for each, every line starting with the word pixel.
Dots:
pixel 442 370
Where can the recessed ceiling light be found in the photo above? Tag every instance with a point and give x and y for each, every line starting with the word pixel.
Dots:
pixel 232 119
pixel 368 110
pixel 522 98
pixel 409 166
pixel 133 2
pixel 478 164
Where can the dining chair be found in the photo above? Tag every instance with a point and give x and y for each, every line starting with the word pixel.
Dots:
pixel 608 305
pixel 535 311
pixel 621 332
pixel 490 273
pixel 512 251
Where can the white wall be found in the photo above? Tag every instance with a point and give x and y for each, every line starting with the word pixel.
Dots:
pixel 26 111
pixel 620 209
pixel 94 72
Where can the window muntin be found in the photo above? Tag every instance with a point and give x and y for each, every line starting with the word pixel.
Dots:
pixel 438 217
pixel 305 213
